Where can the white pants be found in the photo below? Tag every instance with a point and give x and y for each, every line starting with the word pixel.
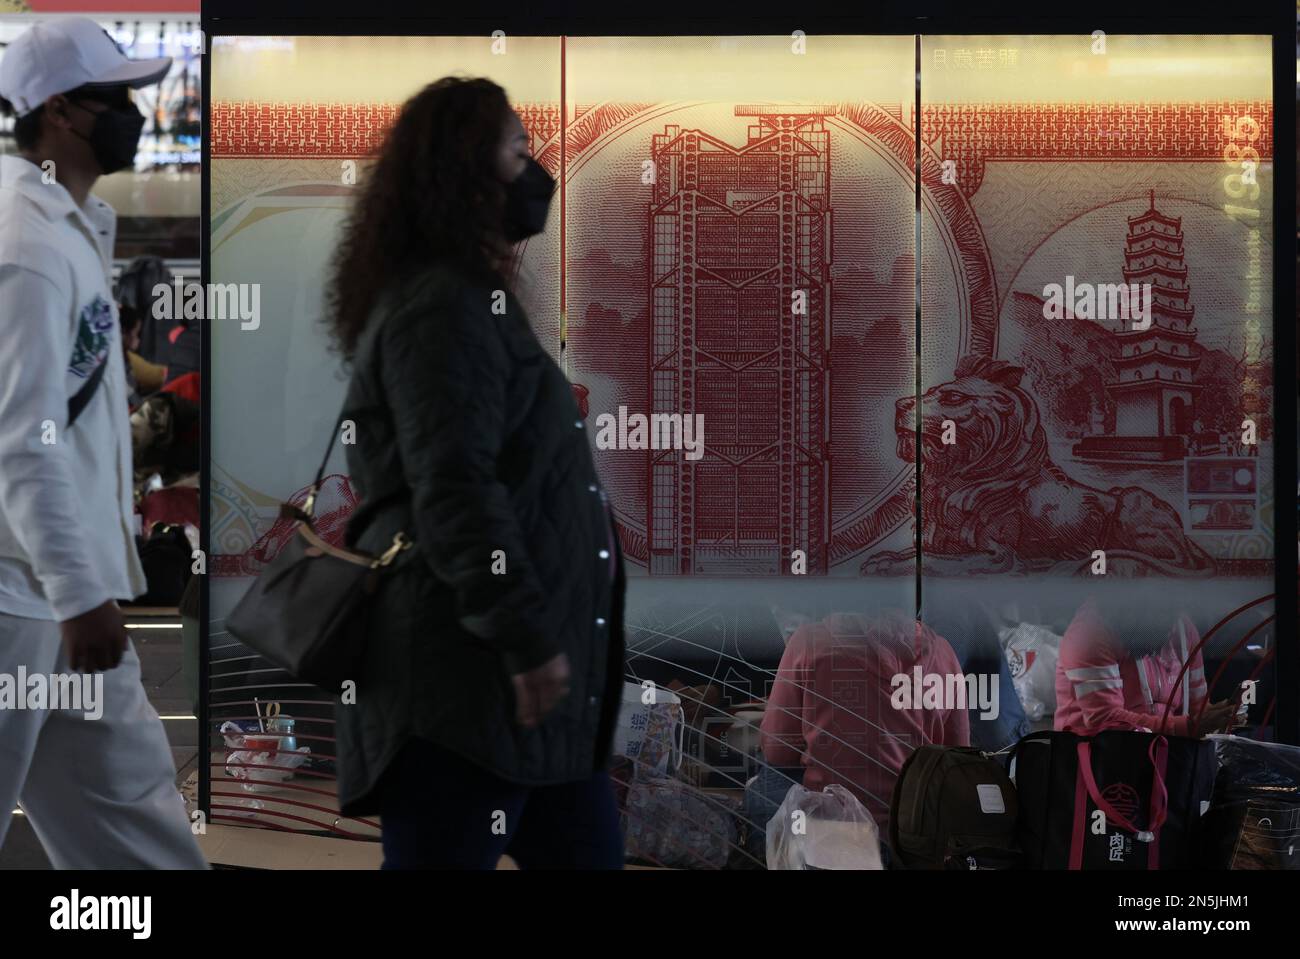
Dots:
pixel 99 793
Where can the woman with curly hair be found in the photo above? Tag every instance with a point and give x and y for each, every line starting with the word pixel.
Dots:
pixel 492 675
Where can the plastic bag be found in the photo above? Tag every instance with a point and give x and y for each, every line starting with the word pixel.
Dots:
pixel 826 830
pixel 1250 769
pixel 1031 653
pixel 256 760
pixel 1254 817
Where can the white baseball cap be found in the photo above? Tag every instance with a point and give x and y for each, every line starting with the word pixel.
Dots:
pixel 63 53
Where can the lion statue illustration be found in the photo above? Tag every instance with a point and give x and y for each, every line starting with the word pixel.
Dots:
pixel 992 500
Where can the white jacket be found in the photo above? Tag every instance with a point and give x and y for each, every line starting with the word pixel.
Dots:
pixel 66 515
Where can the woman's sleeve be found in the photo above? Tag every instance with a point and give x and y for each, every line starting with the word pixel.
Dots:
pixel 781 734
pixel 1092 666
pixel 446 379
pixel 1196 685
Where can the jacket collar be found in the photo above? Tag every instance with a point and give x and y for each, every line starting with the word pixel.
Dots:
pixel 52 199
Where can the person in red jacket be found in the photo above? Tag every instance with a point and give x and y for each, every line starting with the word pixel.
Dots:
pixel 1117 670
pixel 831 718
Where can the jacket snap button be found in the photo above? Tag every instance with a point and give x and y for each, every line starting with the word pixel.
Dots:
pixel 578 423
pixel 592 700
pixel 592 488
pixel 600 620
pixel 604 554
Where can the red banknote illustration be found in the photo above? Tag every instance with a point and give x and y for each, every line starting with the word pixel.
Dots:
pixel 1094 350
pixel 761 278
pixel 1095 366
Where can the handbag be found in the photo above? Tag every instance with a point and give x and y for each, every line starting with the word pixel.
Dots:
pixel 1254 818
pixel 670 824
pixel 1252 834
pixel 303 612
pixel 1150 790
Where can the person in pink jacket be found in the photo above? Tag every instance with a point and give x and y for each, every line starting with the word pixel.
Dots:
pixel 1117 672
pixel 831 714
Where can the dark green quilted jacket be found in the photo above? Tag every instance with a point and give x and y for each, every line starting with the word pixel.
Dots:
pixel 468 438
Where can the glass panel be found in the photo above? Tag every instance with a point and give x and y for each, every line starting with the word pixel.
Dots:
pixel 739 249
pixel 293 119
pixel 1095 431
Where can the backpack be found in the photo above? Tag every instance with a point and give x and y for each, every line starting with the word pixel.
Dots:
pixel 134 292
pixel 953 808
pixel 165 558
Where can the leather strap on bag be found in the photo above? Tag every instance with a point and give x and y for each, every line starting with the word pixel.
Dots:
pixel 309 506
pixel 364 344
pixel 306 514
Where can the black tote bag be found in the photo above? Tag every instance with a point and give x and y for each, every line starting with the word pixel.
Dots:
pixel 1149 789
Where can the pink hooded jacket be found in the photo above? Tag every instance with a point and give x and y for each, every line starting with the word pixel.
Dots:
pixel 1101 685
pixel 831 712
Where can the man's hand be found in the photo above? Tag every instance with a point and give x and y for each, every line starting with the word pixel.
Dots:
pixel 1216 717
pixel 538 690
pixel 95 640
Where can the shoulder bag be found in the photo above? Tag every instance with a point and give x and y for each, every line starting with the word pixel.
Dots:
pixel 302 612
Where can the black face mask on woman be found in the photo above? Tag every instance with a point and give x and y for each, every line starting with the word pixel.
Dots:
pixel 528 200
pixel 115 137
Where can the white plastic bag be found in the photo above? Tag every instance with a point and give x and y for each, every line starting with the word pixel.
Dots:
pixel 1031 653
pixel 825 830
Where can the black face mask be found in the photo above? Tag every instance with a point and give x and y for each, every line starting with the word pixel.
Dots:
pixel 528 200
pixel 114 137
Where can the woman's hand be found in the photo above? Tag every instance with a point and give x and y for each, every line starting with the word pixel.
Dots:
pixel 538 690
pixel 1216 718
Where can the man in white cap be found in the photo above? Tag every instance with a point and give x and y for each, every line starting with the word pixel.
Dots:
pixel 81 750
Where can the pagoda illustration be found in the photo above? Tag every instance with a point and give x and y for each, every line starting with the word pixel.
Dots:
pixel 1154 391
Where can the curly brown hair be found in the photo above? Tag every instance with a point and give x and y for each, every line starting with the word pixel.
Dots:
pixel 431 194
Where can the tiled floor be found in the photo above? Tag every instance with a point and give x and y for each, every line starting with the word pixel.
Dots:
pixel 160 666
